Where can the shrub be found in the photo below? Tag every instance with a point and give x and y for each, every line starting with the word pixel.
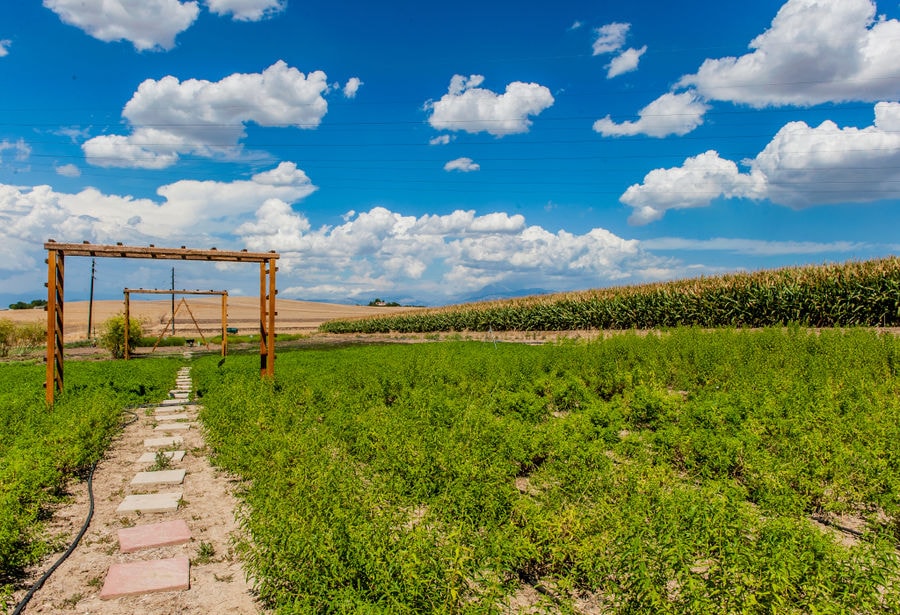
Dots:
pixel 113 335
pixel 7 336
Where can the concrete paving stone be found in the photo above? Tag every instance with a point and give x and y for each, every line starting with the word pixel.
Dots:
pixel 171 402
pixel 153 535
pixel 159 477
pixel 169 427
pixel 151 457
pixel 136 578
pixel 160 442
pixel 150 503
pixel 172 416
pixel 163 409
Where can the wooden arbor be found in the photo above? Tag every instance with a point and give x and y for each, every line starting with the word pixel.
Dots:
pixel 156 291
pixel 56 253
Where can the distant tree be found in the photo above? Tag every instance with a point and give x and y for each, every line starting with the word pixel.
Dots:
pixel 380 303
pixel 34 303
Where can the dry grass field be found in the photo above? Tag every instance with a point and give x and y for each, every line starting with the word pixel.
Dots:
pixel 243 313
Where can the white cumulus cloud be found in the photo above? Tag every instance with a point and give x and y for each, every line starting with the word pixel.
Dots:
pixel 246 10
pixel 670 114
pixel 802 166
pixel 696 183
pixel 4 47
pixel 169 117
pixel 467 107
pixel 463 165
pixel 610 37
pixel 352 87
pixel 815 51
pixel 626 62
pixel 68 170
pixel 188 211
pixel 438 255
pixel 147 24
pixel 440 140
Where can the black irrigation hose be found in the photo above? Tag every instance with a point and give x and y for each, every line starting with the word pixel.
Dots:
pixel 90 485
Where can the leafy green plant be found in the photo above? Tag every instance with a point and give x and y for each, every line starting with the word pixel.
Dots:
pixel 161 461
pixel 672 473
pixel 43 448
pixel 112 336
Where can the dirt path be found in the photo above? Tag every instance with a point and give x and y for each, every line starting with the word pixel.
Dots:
pixel 217 580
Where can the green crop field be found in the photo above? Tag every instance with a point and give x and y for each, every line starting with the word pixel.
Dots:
pixel 42 449
pixel 864 293
pixel 687 472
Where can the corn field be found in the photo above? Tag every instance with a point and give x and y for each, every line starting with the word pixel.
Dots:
pixel 856 293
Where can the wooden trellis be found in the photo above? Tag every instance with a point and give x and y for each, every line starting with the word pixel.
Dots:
pixel 158 291
pixel 56 253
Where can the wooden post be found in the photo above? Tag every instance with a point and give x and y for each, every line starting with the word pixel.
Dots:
pixel 127 322
pixel 263 320
pixel 225 323
pixel 55 278
pixel 270 372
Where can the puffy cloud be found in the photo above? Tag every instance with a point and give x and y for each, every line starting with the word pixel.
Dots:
pixel 171 117
pixel 576 25
pixel 68 170
pixel 147 24
pixel 625 62
pixel 815 51
pixel 246 10
pixel 352 87
pixel 610 37
pixel 189 210
pixel 802 166
pixel 463 165
pixel 807 166
pixel 670 114
pixel 694 184
pixel 4 47
pixel 440 140
pixel 439 255
pixel 472 109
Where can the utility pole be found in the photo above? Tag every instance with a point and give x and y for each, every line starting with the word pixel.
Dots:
pixel 173 301
pixel 91 301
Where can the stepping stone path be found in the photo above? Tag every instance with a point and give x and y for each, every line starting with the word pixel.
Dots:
pixel 161 540
pixel 155 575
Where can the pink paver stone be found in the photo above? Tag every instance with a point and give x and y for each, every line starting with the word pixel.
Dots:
pixel 134 578
pixel 155 535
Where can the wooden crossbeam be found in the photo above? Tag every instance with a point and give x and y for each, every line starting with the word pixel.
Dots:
pixel 153 252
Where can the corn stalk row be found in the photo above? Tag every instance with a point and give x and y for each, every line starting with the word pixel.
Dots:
pixel 856 293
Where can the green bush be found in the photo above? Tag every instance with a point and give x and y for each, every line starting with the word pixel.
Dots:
pixel 20 335
pixel 7 336
pixel 112 336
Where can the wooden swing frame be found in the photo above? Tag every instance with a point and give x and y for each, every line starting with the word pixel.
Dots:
pixel 56 253
pixel 159 291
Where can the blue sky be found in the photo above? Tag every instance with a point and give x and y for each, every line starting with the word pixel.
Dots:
pixel 430 153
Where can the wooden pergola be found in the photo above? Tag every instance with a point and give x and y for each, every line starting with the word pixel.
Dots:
pixel 160 291
pixel 56 253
